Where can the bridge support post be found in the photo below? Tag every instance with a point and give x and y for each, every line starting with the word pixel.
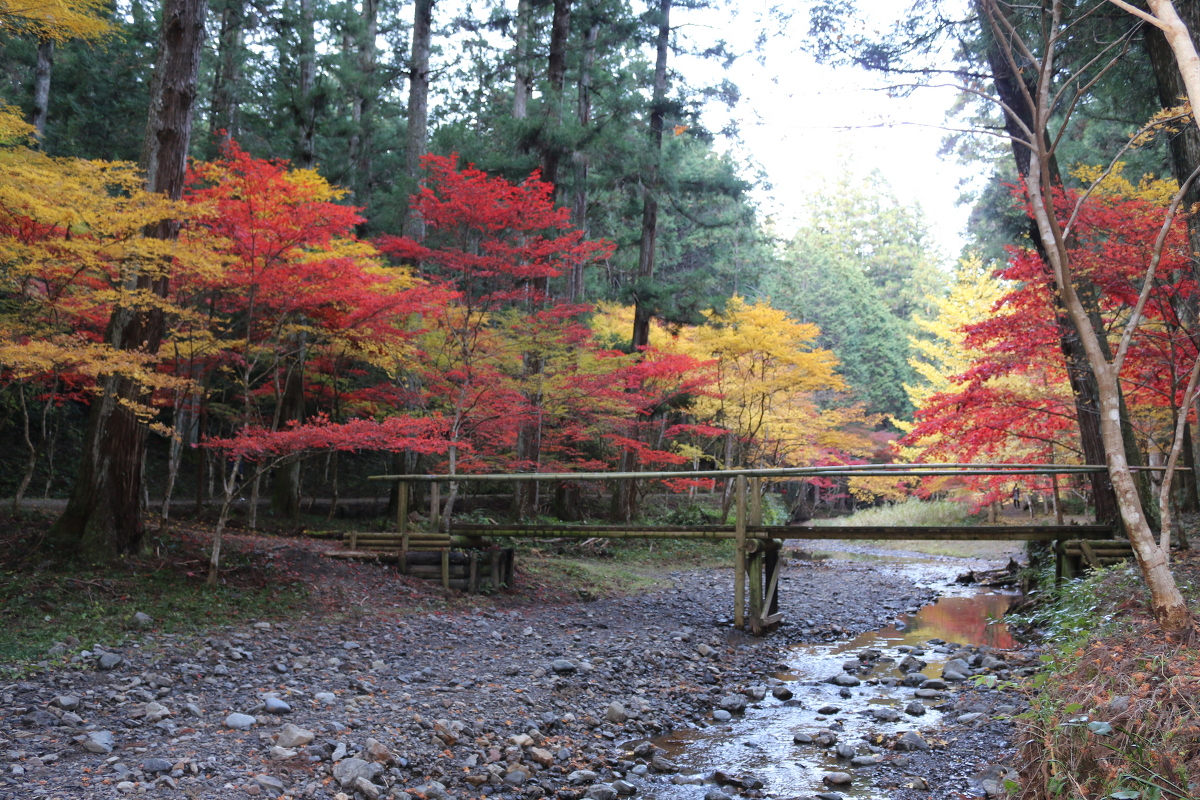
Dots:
pixel 739 556
pixel 1059 557
pixel 402 524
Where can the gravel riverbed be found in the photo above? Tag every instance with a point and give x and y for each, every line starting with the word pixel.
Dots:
pixel 557 701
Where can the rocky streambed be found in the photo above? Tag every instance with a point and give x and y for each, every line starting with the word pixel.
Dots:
pixel 647 696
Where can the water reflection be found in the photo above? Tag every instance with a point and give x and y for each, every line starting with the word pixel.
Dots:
pixel 760 743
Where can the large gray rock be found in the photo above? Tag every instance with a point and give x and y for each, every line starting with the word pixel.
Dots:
pixel 845 679
pixel 347 771
pixel 294 736
pixel 110 661
pixel 837 778
pixel 155 712
pixel 911 663
pixel 956 669
pixel 616 713
pixel 911 741
pixel 67 702
pixel 272 785
pixel 98 742
pixel 240 722
pixel 581 776
pixel 273 705
pixel 368 789
pixel 154 765
pixel 563 667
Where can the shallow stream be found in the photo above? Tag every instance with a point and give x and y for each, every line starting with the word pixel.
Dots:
pixel 760 744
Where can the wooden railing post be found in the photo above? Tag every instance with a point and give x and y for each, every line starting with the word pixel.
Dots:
pixel 739 556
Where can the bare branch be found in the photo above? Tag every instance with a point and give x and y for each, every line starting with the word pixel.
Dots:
pixel 1139 13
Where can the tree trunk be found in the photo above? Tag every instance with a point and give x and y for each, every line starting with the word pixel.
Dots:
pixel 522 64
pixel 1018 116
pixel 556 75
pixel 1166 602
pixel 223 109
pixel 31 461
pixel 103 516
pixel 306 108
pixel 364 101
pixel 644 309
pixel 579 205
pixel 285 487
pixel 1185 156
pixel 41 86
pixel 417 139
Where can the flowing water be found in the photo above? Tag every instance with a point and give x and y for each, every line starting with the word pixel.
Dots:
pixel 760 744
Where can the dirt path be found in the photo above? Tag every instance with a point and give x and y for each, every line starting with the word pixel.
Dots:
pixel 499 698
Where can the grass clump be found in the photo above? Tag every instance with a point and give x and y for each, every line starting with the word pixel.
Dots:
pixel 1116 711
pixel 97 606
pixel 912 512
pixel 917 513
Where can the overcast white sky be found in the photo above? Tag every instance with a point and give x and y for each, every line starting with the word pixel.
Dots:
pixel 804 123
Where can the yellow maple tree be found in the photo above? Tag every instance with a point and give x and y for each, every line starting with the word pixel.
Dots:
pixel 772 383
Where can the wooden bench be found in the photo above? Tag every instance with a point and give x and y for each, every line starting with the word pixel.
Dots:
pixel 468 563
pixel 1076 555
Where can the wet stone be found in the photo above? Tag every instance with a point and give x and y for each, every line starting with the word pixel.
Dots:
pixel 885 714
pixel 915 709
pixel 733 703
pixel 837 778
pixel 828 710
pixel 601 791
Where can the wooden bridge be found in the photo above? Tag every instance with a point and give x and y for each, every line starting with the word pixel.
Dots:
pixel 757 548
